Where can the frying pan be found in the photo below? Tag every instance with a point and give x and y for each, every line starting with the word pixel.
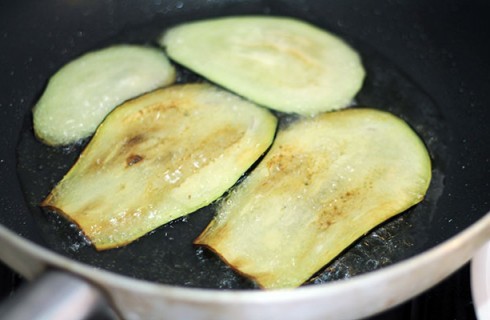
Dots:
pixel 427 62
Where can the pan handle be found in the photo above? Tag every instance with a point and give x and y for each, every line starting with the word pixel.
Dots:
pixel 57 295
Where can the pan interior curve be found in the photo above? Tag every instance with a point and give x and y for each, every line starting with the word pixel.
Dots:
pixel 167 255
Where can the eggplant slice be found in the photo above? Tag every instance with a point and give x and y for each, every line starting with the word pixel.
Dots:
pixel 81 94
pixel 159 157
pixel 281 63
pixel 325 182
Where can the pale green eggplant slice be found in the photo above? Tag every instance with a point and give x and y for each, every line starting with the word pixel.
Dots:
pixel 325 182
pixel 84 91
pixel 281 63
pixel 159 157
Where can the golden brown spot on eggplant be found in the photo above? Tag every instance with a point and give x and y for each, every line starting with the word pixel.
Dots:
pixel 212 146
pixel 290 162
pixel 335 209
pixel 328 216
pixel 133 141
pixel 282 165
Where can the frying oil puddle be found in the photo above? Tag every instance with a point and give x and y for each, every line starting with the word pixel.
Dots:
pixel 167 255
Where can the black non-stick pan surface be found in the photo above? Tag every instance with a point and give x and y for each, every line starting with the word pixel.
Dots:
pixel 426 61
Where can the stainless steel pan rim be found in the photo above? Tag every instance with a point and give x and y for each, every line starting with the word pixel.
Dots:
pixel 353 298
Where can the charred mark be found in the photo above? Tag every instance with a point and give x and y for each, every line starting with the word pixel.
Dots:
pixel 133 159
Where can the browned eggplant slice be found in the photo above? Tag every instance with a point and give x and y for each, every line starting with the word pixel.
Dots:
pixel 325 182
pixel 159 157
